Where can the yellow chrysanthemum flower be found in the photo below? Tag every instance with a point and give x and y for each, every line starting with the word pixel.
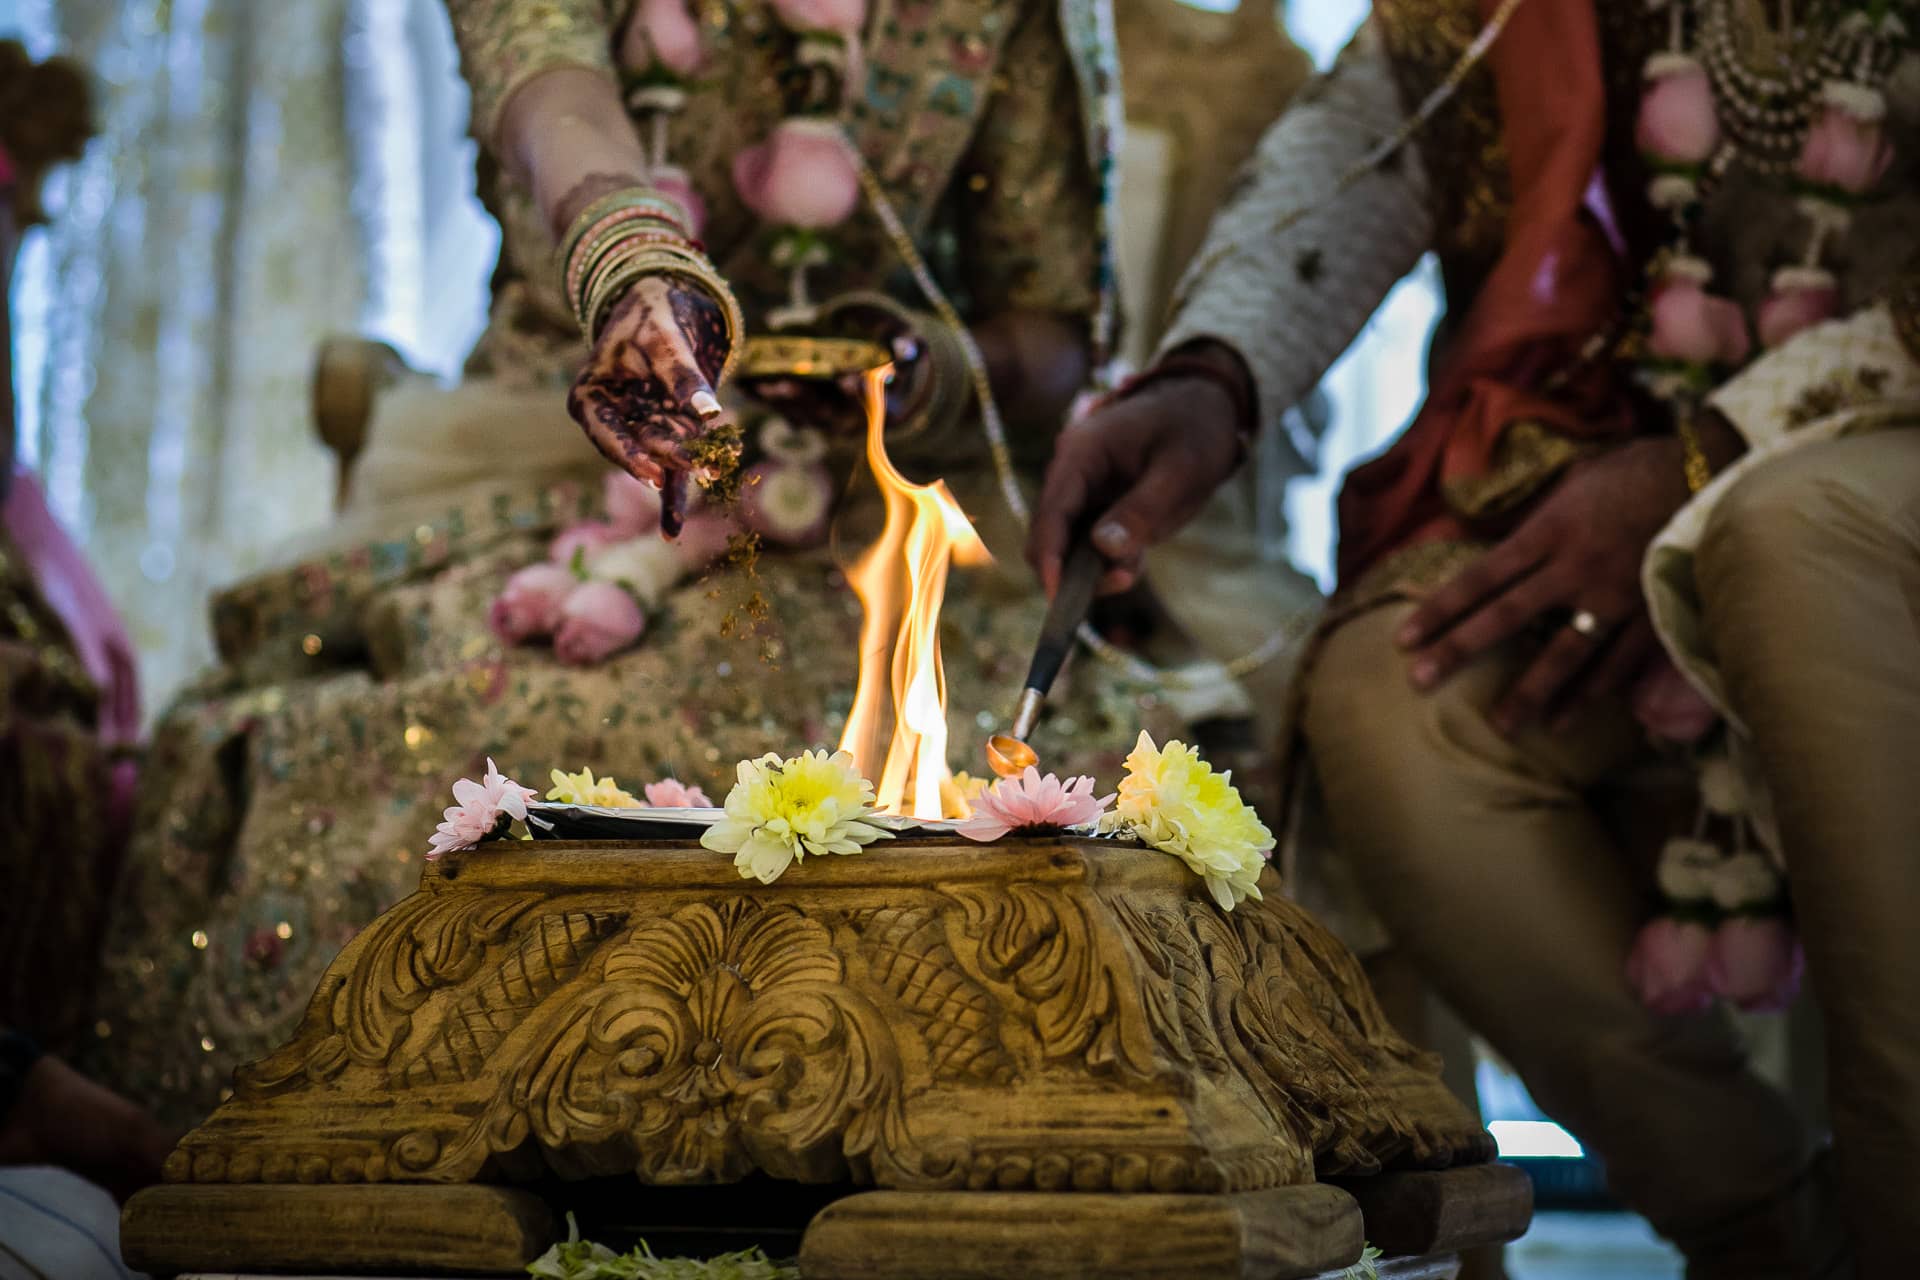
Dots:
pixel 1174 801
pixel 782 810
pixel 584 788
pixel 958 793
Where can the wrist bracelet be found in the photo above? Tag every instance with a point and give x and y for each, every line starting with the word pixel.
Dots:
pixel 1181 365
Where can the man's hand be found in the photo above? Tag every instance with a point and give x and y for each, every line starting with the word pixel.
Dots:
pixel 1579 552
pixel 1138 468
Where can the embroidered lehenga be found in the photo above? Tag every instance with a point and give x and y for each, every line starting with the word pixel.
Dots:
pixel 293 788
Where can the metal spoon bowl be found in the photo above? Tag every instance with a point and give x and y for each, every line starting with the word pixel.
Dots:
pixel 1009 757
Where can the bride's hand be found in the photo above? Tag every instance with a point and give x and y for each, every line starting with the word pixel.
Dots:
pixel 646 393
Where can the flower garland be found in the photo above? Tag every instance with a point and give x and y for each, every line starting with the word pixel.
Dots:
pixel 1819 126
pixel 1814 119
pixel 800 178
pixel 591 595
pixel 1725 929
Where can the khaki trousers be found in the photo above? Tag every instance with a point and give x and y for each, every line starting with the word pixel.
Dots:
pixel 1489 861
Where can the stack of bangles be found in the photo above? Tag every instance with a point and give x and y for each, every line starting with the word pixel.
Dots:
pixel 623 238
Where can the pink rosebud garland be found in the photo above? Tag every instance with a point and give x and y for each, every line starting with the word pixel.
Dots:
pixel 1756 962
pixel 1668 706
pixel 477 809
pixel 1801 298
pixel 1692 326
pixel 1678 123
pixel 529 606
pixel 800 176
pixel 1846 150
pixel 663 32
pixel 597 620
pixel 1033 801
pixel 584 538
pixel 1667 967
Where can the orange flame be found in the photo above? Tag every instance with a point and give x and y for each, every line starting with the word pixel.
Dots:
pixel 901 581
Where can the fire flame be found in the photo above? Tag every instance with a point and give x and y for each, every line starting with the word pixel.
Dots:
pixel 901 581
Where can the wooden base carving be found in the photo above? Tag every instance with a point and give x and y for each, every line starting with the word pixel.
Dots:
pixel 1037 1016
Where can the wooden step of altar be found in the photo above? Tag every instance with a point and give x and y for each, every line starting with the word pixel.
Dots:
pixel 1043 1038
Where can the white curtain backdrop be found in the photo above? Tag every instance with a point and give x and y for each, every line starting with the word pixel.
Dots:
pixel 268 172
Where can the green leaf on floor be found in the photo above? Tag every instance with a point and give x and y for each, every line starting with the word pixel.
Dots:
pixel 1365 1269
pixel 579 1259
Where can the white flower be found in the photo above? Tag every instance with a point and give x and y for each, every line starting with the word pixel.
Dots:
pixel 648 567
pixel 1744 881
pixel 1722 789
pixel 782 810
pixel 1687 868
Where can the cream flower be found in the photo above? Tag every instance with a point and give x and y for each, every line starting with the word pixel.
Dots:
pixel 1686 869
pixel 1174 801
pixel 782 810
pixel 584 788
pixel 1746 882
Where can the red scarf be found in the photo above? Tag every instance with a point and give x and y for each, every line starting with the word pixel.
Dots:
pixel 1556 285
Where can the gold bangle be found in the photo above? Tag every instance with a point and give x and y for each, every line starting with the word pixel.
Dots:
pixel 1699 471
pixel 580 263
pixel 595 258
pixel 635 197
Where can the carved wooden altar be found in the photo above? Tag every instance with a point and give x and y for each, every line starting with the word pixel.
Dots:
pixel 1040 1058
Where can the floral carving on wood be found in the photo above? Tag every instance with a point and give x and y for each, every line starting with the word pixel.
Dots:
pixel 1080 1017
pixel 704 1045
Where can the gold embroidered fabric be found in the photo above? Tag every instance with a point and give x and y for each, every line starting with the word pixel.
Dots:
pixel 1527 458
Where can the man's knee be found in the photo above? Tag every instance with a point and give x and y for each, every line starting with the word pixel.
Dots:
pixel 1787 520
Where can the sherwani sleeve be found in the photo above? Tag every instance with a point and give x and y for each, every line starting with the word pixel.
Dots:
pixel 505 43
pixel 1289 293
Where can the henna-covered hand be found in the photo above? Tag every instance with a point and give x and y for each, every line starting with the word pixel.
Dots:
pixel 646 395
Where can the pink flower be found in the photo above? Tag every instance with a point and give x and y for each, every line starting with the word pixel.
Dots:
pixel 704 539
pixel 1668 706
pixel 1032 801
pixel 1845 150
pixel 787 504
pixel 1801 298
pixel 801 176
pixel 1756 963
pixel 1668 966
pixel 1678 122
pixel 477 810
pixel 670 33
pixel 843 16
pixel 529 605
pixel 598 620
pixel 633 507
pixel 672 182
pixel 588 536
pixel 1690 324
pixel 670 793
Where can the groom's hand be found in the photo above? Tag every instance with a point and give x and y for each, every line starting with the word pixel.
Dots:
pixel 1139 467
